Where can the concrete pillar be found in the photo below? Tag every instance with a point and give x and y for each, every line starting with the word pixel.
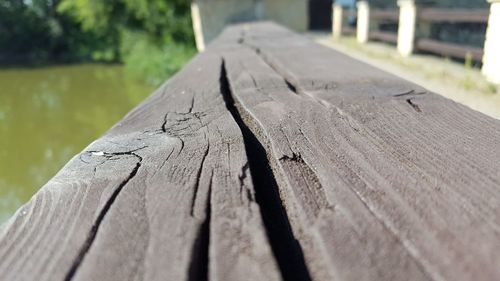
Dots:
pixel 197 28
pixel 407 26
pixel 209 17
pixel 338 16
pixel 491 57
pixel 363 25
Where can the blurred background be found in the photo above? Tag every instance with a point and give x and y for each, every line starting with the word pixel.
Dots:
pixel 70 69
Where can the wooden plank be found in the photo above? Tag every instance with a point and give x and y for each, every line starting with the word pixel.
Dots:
pixel 384 36
pixel 449 49
pixel 385 15
pixel 45 237
pixel 318 212
pixel 165 194
pixel 454 15
pixel 337 216
pixel 269 157
pixel 407 176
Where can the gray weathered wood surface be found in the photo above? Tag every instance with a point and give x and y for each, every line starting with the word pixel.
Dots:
pixel 269 157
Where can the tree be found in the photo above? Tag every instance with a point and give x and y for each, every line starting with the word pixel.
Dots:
pixel 33 31
pixel 161 20
pixel 153 37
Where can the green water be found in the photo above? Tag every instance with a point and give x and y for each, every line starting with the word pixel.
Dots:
pixel 47 115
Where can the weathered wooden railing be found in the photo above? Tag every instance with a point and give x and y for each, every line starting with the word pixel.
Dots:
pixel 373 19
pixel 427 17
pixel 341 24
pixel 380 17
pixel 454 15
pixel 412 36
pixel 447 49
pixel 269 157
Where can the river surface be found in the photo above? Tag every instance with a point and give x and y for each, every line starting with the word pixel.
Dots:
pixel 49 114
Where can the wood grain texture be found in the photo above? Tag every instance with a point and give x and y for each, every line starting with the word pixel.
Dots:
pixel 405 183
pixel 165 189
pixel 340 237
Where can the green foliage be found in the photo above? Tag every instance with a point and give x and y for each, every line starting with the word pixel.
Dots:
pixel 468 83
pixel 35 32
pixel 96 14
pixel 492 88
pixel 153 37
pixel 468 62
pixel 151 62
pixel 160 20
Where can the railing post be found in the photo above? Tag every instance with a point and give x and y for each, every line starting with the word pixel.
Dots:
pixel 363 25
pixel 197 26
pixel 338 16
pixel 407 26
pixel 491 57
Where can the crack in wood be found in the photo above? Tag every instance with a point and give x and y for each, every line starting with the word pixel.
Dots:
pixel 102 214
pixel 414 105
pixel 198 268
pixel 311 193
pixel 409 100
pixel 198 178
pixel 164 124
pixel 292 86
pixel 285 247
pixel 323 103
pixel 410 93
pixel 245 170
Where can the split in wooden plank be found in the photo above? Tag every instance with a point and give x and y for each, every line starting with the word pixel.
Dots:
pixel 164 190
pixel 425 168
pixel 340 236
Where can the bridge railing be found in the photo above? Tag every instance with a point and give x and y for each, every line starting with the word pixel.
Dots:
pixel 455 16
pixel 413 24
pixel 341 21
pixel 383 21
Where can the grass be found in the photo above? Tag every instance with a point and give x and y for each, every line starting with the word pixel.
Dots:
pixel 154 63
pixel 466 76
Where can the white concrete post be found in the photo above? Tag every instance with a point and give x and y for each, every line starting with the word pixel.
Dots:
pixel 209 17
pixel 491 57
pixel 197 27
pixel 363 25
pixel 338 16
pixel 407 26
